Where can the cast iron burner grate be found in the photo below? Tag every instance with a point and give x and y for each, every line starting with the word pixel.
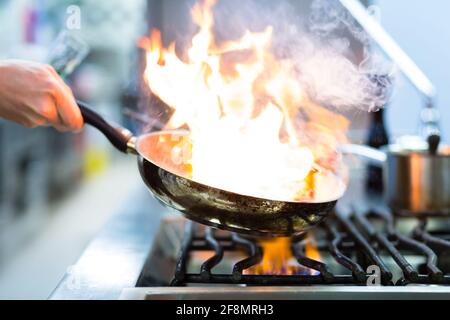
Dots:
pixel 355 243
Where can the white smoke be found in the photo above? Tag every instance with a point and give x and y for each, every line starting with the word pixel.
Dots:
pixel 335 58
pixel 332 78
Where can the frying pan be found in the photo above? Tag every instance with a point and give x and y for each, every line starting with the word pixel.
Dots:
pixel 208 205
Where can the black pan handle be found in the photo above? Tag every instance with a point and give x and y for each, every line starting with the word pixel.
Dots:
pixel 118 137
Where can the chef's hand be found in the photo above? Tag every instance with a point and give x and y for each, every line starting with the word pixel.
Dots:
pixel 33 94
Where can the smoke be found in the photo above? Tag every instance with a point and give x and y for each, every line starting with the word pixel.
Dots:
pixel 330 75
pixel 336 62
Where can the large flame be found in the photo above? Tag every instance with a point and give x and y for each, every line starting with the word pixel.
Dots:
pixel 278 257
pixel 242 106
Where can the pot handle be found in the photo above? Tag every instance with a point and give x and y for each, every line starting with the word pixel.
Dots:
pixel 373 155
pixel 119 137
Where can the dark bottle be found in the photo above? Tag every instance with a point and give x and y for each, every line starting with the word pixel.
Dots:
pixel 377 138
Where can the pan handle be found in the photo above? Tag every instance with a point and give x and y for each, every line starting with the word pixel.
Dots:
pixel 121 138
pixel 373 155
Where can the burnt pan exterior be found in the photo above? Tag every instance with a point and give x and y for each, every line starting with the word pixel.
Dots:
pixel 230 211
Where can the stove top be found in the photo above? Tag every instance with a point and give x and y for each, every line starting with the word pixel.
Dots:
pixel 145 253
pixel 357 253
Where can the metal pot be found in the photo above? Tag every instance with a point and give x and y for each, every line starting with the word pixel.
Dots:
pixel 415 181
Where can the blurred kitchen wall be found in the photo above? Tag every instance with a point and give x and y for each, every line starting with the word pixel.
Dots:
pixel 40 167
pixel 422 28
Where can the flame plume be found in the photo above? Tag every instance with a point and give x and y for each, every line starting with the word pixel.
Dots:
pixel 253 129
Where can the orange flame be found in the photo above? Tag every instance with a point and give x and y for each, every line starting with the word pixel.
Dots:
pixel 241 104
pixel 279 259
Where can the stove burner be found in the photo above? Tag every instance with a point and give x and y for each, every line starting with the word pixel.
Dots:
pixel 403 250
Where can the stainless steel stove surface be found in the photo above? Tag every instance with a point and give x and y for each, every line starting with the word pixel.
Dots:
pixel 144 253
pixel 360 255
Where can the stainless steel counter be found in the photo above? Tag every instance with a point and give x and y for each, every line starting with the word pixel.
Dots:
pixel 114 258
pixel 288 293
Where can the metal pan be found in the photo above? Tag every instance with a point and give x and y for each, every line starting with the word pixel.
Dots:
pixel 416 182
pixel 205 204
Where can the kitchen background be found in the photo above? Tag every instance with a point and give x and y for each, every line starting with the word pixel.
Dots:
pixel 57 191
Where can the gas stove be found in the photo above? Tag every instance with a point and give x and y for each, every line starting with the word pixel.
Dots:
pixel 364 252
pixel 359 254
